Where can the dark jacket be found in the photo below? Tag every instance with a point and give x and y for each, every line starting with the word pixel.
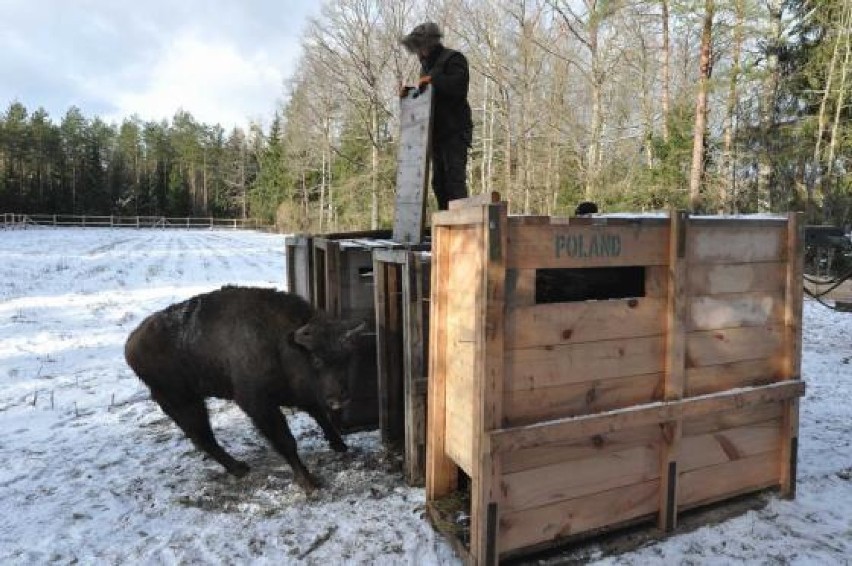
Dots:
pixel 450 77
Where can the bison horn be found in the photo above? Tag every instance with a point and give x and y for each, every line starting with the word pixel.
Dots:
pixel 355 331
pixel 304 336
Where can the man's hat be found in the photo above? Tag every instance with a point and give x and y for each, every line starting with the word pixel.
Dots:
pixel 425 35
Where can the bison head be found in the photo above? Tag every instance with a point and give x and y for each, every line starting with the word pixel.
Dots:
pixel 330 344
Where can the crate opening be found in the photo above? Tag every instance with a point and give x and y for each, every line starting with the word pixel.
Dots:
pixel 589 284
pixel 451 513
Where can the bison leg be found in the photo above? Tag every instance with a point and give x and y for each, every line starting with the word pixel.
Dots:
pixel 193 419
pixel 328 429
pixel 269 420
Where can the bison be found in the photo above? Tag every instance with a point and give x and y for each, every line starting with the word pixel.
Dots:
pixel 261 348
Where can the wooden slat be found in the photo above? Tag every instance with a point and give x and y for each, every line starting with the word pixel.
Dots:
pixel 792 351
pixel 555 246
pixel 441 476
pixel 736 244
pixel 551 366
pixel 714 347
pixel 414 351
pixel 581 448
pixel 464 216
pixel 383 371
pixel 715 279
pixel 464 271
pixel 569 480
pixel 486 492
pixel 728 445
pixel 734 418
pixel 586 321
pixel 542 524
pixel 673 381
pixel 735 310
pixel 726 480
pixel 710 379
pixel 788 454
pixel 577 427
pixel 533 405
pixel 476 200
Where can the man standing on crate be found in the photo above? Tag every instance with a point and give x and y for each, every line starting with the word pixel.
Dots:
pixel 452 126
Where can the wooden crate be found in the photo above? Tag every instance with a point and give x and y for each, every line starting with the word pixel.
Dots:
pixel 567 417
pixel 299 257
pixel 343 287
pixel 402 280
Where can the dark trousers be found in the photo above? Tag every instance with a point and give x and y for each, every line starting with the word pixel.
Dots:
pixel 449 163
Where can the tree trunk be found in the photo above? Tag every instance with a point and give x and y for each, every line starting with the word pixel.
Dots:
pixel 766 165
pixel 374 168
pixel 838 107
pixel 697 170
pixel 664 8
pixel 728 184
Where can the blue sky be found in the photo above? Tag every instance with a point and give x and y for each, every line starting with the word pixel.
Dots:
pixel 222 60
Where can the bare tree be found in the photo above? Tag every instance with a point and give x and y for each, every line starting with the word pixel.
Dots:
pixel 700 130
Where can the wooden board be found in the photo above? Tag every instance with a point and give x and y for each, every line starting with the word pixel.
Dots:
pixel 541 434
pixel 558 245
pixel 580 448
pixel 576 478
pixel 534 405
pixel 565 518
pixel 412 172
pixel 584 321
pixel 736 244
pixel 735 310
pixel 710 379
pixel 728 445
pixel 299 265
pixel 441 476
pixel 708 424
pixel 720 278
pixel 552 366
pixel 722 481
pixel 714 347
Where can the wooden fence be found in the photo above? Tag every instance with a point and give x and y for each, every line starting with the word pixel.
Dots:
pixel 15 220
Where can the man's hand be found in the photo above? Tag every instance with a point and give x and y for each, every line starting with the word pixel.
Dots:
pixel 424 80
pixel 404 90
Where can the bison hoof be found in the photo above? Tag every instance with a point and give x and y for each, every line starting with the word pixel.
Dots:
pixel 240 469
pixel 339 446
pixel 308 483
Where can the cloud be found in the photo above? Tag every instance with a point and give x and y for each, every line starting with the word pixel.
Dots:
pixel 220 60
pixel 215 81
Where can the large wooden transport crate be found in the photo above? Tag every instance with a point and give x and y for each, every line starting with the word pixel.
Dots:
pixel 342 277
pixel 591 373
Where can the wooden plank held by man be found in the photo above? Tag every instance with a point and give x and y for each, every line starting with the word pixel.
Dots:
pixel 412 174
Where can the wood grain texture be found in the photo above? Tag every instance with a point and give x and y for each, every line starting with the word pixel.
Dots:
pixel 412 174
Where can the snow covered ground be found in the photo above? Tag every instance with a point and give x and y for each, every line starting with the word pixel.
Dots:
pixel 91 471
